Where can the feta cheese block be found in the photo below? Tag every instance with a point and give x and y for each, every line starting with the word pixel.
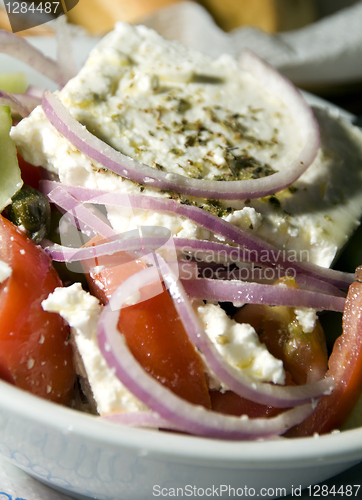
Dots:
pixel 179 111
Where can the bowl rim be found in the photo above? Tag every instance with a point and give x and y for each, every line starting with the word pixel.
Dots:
pixel 331 448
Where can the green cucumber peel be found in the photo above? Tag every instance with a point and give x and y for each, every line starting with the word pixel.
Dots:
pixel 13 83
pixel 10 175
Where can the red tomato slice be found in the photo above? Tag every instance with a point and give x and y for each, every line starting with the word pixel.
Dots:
pixel 304 355
pixel 231 404
pixel 29 173
pixel 155 334
pixel 157 339
pixel 34 351
pixel 345 367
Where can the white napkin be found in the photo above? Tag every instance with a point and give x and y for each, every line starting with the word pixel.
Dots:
pixel 326 52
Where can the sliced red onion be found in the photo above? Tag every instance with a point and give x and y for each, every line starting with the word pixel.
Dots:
pixel 180 413
pixel 66 63
pixel 77 210
pixel 260 392
pixel 18 47
pixel 137 246
pixel 278 85
pixel 61 253
pixel 129 168
pixel 140 419
pixel 241 292
pixel 30 101
pixel 263 393
pixel 268 276
pixel 312 272
pixel 253 248
pixel 328 280
pixel 151 420
pixel 187 270
pixel 34 91
pixel 15 104
pixel 336 278
pixel 308 283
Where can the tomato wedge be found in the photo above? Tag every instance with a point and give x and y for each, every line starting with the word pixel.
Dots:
pixel 304 355
pixel 154 333
pixel 29 173
pixel 35 354
pixel 230 403
pixel 345 367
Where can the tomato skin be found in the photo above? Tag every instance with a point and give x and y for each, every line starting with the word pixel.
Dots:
pixel 157 339
pixel 154 332
pixel 304 355
pixel 345 367
pixel 35 354
pixel 30 174
pixel 230 403
pixel 115 269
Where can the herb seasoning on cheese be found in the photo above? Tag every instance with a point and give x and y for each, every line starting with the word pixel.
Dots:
pixel 181 112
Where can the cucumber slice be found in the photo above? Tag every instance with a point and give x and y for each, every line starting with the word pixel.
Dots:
pixel 10 176
pixel 14 83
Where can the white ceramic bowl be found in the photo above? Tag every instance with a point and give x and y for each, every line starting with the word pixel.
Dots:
pixel 82 456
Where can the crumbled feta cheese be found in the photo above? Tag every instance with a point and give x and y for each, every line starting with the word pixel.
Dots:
pixel 306 318
pixel 30 364
pixel 239 344
pixel 247 218
pixel 5 271
pixel 81 311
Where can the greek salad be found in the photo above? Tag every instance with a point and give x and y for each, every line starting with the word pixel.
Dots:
pixel 168 229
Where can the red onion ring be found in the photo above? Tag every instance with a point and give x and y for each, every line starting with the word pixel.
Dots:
pixel 18 47
pixel 140 419
pixel 256 274
pixel 129 168
pixel 28 100
pixel 77 211
pixel 241 292
pixel 61 253
pixel 263 393
pixel 196 419
pixel 252 246
pixel 34 91
pixel 308 283
pixel 279 85
pixel 10 100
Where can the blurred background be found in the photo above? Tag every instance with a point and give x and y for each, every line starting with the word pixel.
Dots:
pixel 270 15
pixel 99 16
